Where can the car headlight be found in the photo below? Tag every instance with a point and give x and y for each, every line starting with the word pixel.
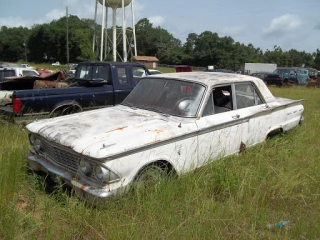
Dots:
pixel 35 142
pixel 105 175
pixel 32 138
pixel 85 167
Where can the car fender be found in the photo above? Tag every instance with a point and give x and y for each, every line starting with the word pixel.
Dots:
pixel 162 162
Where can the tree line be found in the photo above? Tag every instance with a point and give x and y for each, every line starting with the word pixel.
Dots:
pixel 47 43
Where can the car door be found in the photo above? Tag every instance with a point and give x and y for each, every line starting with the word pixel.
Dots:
pixel 221 129
pixel 250 106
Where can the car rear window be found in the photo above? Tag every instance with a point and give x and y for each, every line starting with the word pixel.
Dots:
pixel 6 73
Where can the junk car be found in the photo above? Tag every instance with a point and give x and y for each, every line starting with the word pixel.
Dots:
pixel 169 123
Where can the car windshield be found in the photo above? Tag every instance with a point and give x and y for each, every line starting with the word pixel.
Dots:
pixel 166 96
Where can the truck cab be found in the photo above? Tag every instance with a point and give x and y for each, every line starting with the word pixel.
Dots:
pixel 95 85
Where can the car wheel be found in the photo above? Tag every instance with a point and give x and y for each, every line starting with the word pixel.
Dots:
pixel 149 178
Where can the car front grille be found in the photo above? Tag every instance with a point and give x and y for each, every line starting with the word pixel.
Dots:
pixel 60 157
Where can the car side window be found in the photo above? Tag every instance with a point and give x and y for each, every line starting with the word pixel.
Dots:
pixel 29 73
pixel 122 75
pixel 220 100
pixel 246 96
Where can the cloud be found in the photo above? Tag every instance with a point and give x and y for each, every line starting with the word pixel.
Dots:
pixel 232 31
pixel 282 25
pixel 157 20
pixel 317 26
pixel 54 14
pixel 80 8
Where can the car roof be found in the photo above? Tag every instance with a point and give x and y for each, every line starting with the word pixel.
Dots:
pixel 215 78
pixel 208 78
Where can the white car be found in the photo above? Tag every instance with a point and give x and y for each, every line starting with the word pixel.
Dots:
pixel 24 65
pixel 18 72
pixel 141 73
pixel 56 64
pixel 169 123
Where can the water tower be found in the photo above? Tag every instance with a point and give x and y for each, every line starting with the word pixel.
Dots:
pixel 114 5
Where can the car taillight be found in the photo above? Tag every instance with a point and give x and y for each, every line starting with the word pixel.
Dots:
pixel 16 105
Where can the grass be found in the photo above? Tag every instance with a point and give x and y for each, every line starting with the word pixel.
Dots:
pixel 232 198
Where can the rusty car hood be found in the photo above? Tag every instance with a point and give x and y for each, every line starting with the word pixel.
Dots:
pixel 110 131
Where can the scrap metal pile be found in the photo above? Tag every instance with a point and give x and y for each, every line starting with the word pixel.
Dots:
pixel 46 79
pixel 314 82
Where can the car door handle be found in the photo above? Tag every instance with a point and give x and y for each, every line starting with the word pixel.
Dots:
pixel 236 116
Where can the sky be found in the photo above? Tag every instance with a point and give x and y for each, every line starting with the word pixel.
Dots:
pixel 290 24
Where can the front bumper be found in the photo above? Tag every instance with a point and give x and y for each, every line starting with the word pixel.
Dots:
pixel 91 194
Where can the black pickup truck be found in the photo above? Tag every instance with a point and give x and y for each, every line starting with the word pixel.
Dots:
pixel 95 85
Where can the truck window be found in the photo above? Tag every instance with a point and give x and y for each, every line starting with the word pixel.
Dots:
pixel 101 73
pixel 122 75
pixel 138 73
pixel 83 72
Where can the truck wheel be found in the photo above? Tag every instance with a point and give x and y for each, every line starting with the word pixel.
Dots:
pixel 70 110
pixel 65 111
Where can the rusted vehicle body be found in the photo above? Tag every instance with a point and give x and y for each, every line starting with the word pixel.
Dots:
pixel 314 82
pixel 11 83
pixel 95 85
pixel 287 76
pixel 170 123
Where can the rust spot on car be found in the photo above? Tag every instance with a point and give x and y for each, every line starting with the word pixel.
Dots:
pixel 117 129
pixel 156 131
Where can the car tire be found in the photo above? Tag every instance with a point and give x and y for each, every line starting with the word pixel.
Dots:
pixel 149 178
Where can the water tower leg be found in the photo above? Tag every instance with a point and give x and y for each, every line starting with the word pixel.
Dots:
pixel 94 26
pixel 102 30
pixel 134 29
pixel 106 35
pixel 124 33
pixel 114 41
